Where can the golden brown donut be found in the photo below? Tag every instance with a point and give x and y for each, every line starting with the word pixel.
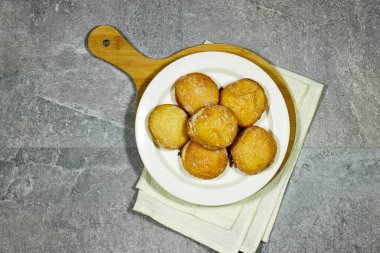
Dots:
pixel 213 127
pixel 246 99
pixel 203 163
pixel 253 150
pixel 195 90
pixel 167 125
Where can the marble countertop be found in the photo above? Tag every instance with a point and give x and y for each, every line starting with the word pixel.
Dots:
pixel 68 158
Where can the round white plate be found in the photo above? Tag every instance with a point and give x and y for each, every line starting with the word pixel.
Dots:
pixel 165 165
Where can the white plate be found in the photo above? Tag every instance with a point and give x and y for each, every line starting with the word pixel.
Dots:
pixel 165 166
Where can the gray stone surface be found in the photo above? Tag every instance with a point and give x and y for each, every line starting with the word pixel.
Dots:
pixel 68 159
pixel 331 203
pixel 77 200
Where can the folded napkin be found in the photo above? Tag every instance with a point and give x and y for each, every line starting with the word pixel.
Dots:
pixel 242 225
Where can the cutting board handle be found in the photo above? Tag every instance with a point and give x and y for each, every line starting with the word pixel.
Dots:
pixel 107 43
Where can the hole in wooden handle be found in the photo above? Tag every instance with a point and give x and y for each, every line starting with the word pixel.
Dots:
pixel 106 43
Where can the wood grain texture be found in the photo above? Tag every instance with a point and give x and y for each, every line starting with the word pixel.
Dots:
pixel 108 44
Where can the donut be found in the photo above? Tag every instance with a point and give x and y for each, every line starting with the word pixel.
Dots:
pixel 213 127
pixel 196 90
pixel 246 99
pixel 253 150
pixel 203 163
pixel 167 125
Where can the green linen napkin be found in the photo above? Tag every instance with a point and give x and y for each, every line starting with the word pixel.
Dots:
pixel 242 225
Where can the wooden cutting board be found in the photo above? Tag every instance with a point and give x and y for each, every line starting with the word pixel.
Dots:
pixel 108 44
